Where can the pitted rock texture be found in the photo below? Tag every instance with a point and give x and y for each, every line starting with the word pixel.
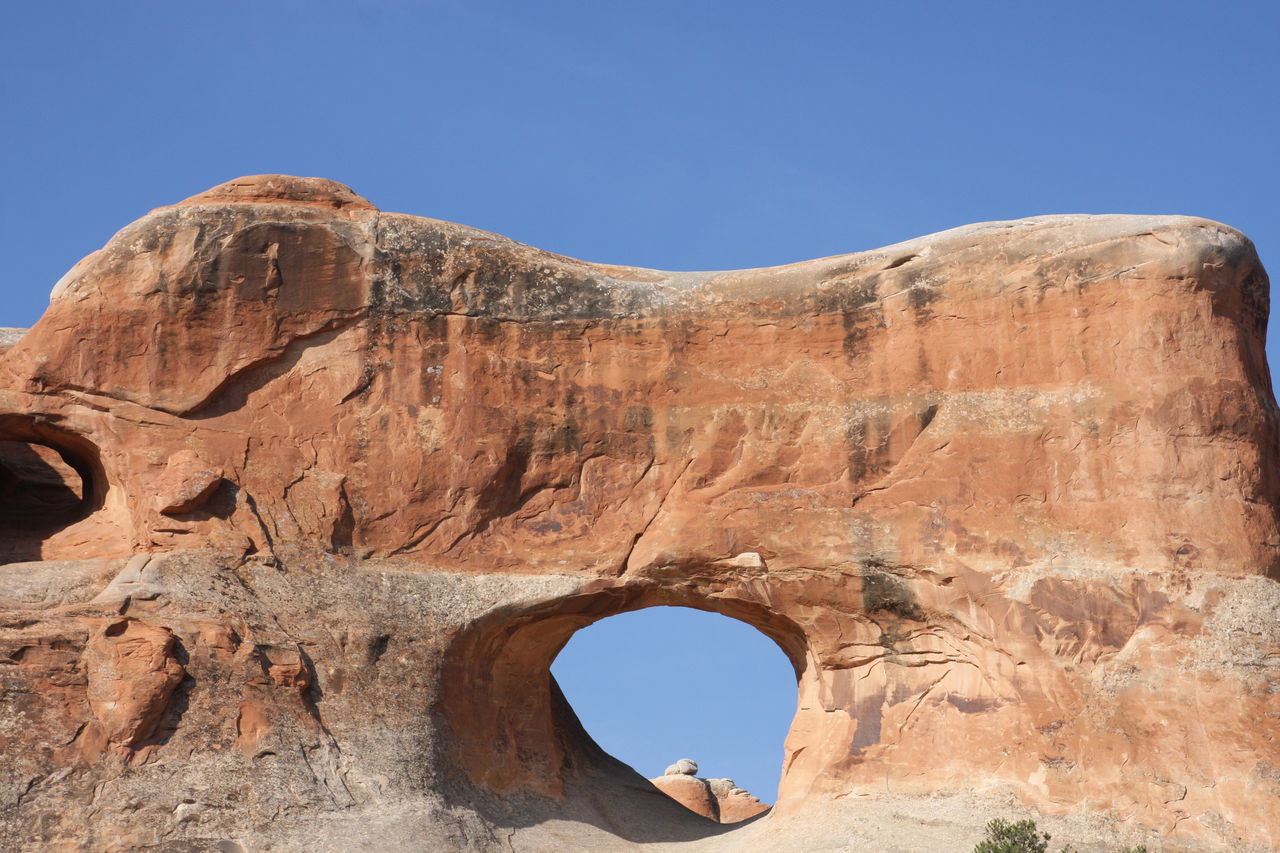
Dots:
pixel 10 336
pixel 735 804
pixel 683 767
pixel 131 674
pixel 1006 496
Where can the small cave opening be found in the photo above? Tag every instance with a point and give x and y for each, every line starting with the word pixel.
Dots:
pixel 37 486
pixel 697 702
pixel 49 480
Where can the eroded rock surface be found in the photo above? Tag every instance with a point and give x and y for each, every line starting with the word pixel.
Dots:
pixel 735 804
pixel 693 793
pixel 683 767
pixel 715 799
pixel 10 336
pixel 1005 495
pixel 131 672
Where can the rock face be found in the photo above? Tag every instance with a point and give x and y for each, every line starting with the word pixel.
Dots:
pixel 683 786
pixel 715 799
pixel 186 484
pixel 734 804
pixel 10 336
pixel 131 675
pixel 683 767
pixel 1006 496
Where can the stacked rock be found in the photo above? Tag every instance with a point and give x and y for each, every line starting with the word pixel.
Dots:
pixel 715 799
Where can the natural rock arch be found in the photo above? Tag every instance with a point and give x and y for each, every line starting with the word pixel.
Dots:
pixel 512 728
pixel 1015 485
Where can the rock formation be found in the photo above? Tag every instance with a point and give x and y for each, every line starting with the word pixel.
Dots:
pixel 734 804
pixel 683 767
pixel 10 336
pixel 680 782
pixel 348 480
pixel 715 799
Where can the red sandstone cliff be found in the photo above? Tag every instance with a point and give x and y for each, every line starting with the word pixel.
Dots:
pixel 1006 495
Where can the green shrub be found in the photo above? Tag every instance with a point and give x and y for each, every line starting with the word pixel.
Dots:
pixel 1019 837
pixel 1025 837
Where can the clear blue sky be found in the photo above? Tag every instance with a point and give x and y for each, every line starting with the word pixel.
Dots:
pixel 677 135
pixel 653 686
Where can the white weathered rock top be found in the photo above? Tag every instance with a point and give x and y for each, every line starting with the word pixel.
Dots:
pixel 683 767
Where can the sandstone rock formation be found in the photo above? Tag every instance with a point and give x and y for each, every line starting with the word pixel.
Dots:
pixel 734 804
pixel 683 767
pixel 131 674
pixel 1005 495
pixel 10 336
pixel 680 782
pixel 715 799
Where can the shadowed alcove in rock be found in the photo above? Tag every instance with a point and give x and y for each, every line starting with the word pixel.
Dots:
pixel 49 480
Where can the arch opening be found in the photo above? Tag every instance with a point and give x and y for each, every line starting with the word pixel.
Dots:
pixel 512 733
pixel 50 479
pixel 662 684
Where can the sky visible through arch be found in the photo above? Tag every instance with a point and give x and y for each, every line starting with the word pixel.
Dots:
pixel 674 135
pixel 656 685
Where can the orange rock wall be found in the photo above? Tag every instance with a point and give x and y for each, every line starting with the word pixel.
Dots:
pixel 1011 394
pixel 1006 495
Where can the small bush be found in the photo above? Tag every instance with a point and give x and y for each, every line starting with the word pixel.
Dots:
pixel 1025 837
pixel 1019 837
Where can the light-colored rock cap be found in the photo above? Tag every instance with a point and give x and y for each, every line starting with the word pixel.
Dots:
pixel 9 337
pixel 724 787
pixel 683 767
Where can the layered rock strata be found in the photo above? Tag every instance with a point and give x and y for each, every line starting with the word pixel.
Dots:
pixel 1005 495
